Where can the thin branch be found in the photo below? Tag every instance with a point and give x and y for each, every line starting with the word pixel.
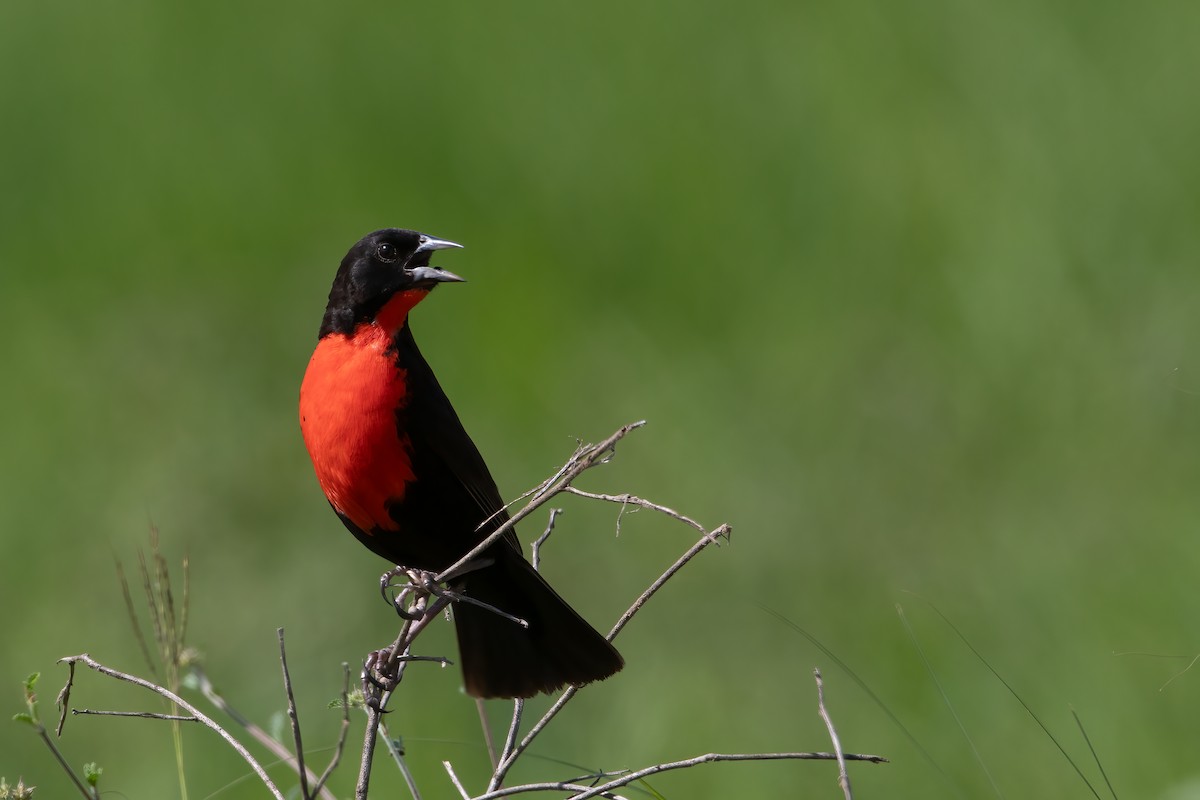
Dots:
pixel 340 747
pixel 64 700
pixel 258 734
pixel 419 616
pixel 454 779
pixel 88 712
pixel 605 789
pixel 535 549
pixel 584 459
pixel 843 776
pixel 709 537
pixel 293 717
pixel 368 751
pixel 91 663
pixel 88 792
pixel 633 500
pixel 510 744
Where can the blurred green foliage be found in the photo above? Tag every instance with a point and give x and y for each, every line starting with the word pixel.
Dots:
pixel 908 292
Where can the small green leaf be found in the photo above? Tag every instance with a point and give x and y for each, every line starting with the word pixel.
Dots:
pixel 23 717
pixel 31 681
pixel 275 726
pixel 92 772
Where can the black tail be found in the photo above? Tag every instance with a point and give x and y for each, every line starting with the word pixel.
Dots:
pixel 502 659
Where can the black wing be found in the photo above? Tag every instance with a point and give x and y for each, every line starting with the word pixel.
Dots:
pixel 445 459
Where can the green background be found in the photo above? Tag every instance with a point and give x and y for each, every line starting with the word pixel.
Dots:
pixel 907 292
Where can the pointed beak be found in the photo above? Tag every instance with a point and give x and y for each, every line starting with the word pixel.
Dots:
pixel 429 243
pixel 432 275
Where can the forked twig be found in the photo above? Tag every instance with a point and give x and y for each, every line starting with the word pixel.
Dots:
pixel 205 685
pixel 585 458
pixel 843 776
pixel 709 537
pixel 605 789
pixel 208 722
pixel 535 549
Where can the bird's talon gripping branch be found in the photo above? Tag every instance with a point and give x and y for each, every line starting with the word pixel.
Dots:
pixel 385 582
pixel 375 681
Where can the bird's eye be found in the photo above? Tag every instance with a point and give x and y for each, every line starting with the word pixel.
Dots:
pixel 387 252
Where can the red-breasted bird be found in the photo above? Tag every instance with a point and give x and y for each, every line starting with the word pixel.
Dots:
pixel 402 474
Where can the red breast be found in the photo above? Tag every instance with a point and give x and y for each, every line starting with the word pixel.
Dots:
pixel 348 404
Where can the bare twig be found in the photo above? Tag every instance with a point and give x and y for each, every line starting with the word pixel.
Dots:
pixel 392 671
pixel 535 549
pixel 709 537
pixel 584 459
pixel 340 747
pixel 89 712
pixel 368 751
pixel 258 734
pixel 605 789
pixel 510 744
pixel 454 779
pixel 843 776
pixel 293 717
pixel 34 719
pixel 64 700
pixel 91 663
pixel 547 786
pixel 632 500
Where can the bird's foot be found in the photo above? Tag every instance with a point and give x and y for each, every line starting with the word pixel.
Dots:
pixel 379 676
pixel 406 601
pixel 382 672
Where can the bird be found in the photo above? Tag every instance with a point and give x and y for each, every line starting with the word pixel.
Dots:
pixel 400 471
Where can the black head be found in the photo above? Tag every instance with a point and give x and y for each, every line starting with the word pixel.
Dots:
pixel 380 265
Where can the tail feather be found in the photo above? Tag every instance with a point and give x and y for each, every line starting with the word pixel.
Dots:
pixel 502 659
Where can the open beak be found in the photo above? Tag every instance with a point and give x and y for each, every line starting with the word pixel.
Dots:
pixel 434 275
